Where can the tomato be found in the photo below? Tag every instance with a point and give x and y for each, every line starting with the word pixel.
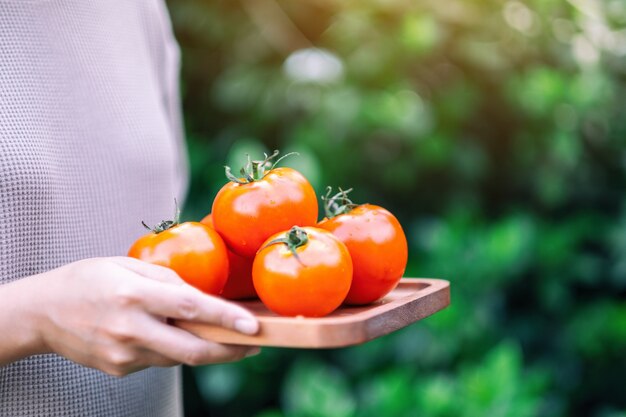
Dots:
pixel 193 250
pixel 304 271
pixel 376 242
pixel 239 284
pixel 248 210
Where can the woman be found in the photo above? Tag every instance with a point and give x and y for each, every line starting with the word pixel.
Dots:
pixel 90 145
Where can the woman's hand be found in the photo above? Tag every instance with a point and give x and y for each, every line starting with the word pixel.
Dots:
pixel 111 314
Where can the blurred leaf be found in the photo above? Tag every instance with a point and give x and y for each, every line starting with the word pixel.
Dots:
pixel 420 33
pixel 271 413
pixel 438 397
pixel 600 329
pixel 313 389
pixel 219 383
pixel 389 394
pixel 499 388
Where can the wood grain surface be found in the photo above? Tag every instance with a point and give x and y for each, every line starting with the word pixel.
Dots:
pixel 412 300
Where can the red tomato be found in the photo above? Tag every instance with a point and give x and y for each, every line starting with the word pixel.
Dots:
pixel 248 210
pixel 305 271
pixel 239 284
pixel 377 245
pixel 193 250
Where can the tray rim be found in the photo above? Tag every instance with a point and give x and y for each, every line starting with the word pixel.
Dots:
pixel 434 285
pixel 360 327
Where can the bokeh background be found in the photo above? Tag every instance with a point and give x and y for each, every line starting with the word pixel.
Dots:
pixel 494 130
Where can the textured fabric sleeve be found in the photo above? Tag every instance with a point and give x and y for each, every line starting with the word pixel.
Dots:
pixel 171 89
pixel 90 144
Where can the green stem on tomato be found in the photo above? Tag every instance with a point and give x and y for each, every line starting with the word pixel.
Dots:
pixel 295 238
pixel 165 224
pixel 255 170
pixel 337 204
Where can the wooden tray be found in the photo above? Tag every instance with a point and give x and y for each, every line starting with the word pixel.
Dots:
pixel 412 300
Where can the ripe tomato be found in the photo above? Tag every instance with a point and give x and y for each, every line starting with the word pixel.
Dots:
pixel 193 250
pixel 248 210
pixel 239 284
pixel 376 242
pixel 304 271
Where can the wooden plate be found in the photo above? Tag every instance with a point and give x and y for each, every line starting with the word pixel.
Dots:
pixel 412 300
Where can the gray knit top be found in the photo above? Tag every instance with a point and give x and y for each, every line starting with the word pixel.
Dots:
pixel 90 145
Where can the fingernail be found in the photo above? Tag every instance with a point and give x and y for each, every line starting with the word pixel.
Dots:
pixel 246 326
pixel 253 351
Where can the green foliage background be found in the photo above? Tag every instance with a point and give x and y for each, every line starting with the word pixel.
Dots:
pixel 495 130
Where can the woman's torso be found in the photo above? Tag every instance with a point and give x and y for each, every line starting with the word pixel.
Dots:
pixel 90 145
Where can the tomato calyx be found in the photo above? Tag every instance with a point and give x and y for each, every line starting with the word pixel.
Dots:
pixel 165 224
pixel 256 170
pixel 294 238
pixel 337 204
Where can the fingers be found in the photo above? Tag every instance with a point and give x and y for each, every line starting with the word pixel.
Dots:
pixel 143 359
pixel 165 295
pixel 180 346
pixel 157 344
pixel 187 303
pixel 150 358
pixel 113 319
pixel 148 270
